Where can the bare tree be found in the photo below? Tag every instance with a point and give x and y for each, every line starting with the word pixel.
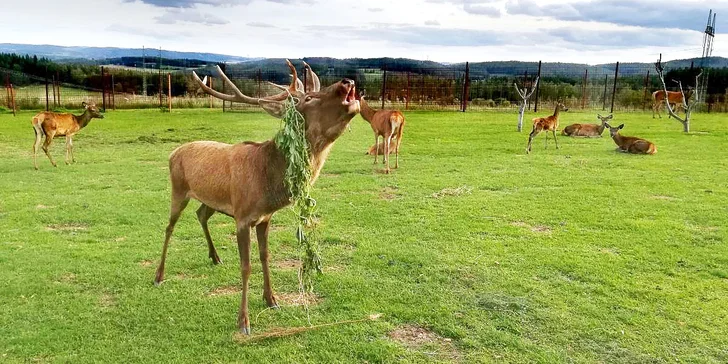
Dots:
pixel 525 95
pixel 689 99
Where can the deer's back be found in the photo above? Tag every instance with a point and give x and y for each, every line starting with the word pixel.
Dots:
pixel 547 123
pixel 60 123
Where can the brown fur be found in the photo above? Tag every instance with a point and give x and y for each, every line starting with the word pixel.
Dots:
pixel 53 125
pixel 246 180
pixel 389 124
pixel 675 98
pixel 379 147
pixel 632 145
pixel 587 130
pixel 549 123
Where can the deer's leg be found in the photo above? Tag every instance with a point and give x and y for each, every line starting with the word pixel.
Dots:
pixel 244 250
pixel 179 202
pixel 46 145
pixel 386 153
pixel 70 144
pixel 555 140
pixel 203 214
pixel 38 136
pixel 376 147
pixel 533 134
pixel 262 231
pixel 68 149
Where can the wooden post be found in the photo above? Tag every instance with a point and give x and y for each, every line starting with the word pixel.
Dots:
pixel 406 102
pixel 260 79
pixel 12 97
pixel 46 85
pixel 113 93
pixel 58 79
pixel 210 81
pixel 103 88
pixel 584 88
pixel 466 87
pixel 614 88
pixel 384 85
pixel 604 95
pixel 169 90
pixel 53 87
pixel 7 86
pixel 647 84
pixel 538 88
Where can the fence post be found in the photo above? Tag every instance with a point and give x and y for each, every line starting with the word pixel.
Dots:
pixel 260 79
pixel 614 88
pixel 466 83
pixel 224 69
pixel 604 95
pixel 169 90
pixel 538 88
pixel 644 98
pixel 113 93
pixel 406 102
pixel 58 86
pixel 384 84
pixel 305 81
pixel 210 95
pixel 103 88
pixel 583 93
pixel 46 85
pixel 12 97
pixel 7 86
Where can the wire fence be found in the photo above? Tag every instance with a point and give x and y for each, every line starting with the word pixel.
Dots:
pixel 608 88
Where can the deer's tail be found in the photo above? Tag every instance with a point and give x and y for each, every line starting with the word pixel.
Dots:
pixel 37 123
pixel 652 149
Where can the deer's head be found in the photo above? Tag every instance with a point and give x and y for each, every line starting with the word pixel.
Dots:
pixel 327 111
pixel 605 119
pixel 92 110
pixel 614 131
pixel 560 105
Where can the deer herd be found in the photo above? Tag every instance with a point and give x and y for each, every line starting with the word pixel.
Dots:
pixel 245 181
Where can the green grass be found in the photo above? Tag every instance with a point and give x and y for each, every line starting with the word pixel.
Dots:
pixel 580 254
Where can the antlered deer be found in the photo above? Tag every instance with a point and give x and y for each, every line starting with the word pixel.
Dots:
pixel 587 130
pixel 673 97
pixel 246 181
pixel 632 145
pixel 549 123
pixel 52 125
pixel 389 124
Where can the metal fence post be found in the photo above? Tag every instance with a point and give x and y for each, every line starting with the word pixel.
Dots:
pixel 406 102
pixel 384 85
pixel 538 88
pixel 169 90
pixel 614 88
pixel 604 95
pixel 466 84
pixel 103 88
pixel 46 86
pixel 644 98
pixel 584 89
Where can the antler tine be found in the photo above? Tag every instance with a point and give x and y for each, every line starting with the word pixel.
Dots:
pixel 312 81
pixel 238 97
pixel 294 81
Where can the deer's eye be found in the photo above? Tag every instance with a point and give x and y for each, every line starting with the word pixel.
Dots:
pixel 308 98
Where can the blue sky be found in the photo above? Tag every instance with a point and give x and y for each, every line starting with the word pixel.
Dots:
pixel 586 31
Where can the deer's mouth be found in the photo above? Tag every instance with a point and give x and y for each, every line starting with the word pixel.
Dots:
pixel 350 96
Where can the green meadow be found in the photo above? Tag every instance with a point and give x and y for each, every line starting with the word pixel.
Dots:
pixel 471 251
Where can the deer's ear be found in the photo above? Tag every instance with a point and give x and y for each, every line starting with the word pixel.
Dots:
pixel 274 108
pixel 599 116
pixel 84 105
pixel 610 117
pixel 620 126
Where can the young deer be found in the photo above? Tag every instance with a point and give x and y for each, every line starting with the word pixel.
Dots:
pixel 52 125
pixel 587 130
pixel 389 124
pixel 632 145
pixel 379 147
pixel 549 123
pixel 246 181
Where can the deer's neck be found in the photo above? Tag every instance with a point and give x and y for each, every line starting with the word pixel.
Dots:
pixel 366 112
pixel 83 119
pixel 556 112
pixel 617 139
pixel 601 128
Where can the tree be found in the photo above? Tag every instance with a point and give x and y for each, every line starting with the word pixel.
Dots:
pixel 524 100
pixel 689 100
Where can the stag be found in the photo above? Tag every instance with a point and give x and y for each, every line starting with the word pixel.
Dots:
pixel 389 124
pixel 549 123
pixel 587 130
pixel 52 125
pixel 246 181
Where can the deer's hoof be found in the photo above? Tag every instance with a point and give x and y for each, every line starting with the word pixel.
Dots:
pixel 216 260
pixel 245 330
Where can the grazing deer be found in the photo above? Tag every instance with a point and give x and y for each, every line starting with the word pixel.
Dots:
pixel 52 125
pixel 673 97
pixel 246 181
pixel 587 130
pixel 549 123
pixel 389 124
pixel 632 145
pixel 379 147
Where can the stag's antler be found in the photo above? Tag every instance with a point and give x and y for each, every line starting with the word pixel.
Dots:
pixel 238 96
pixel 312 81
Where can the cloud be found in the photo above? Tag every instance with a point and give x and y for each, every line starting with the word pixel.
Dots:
pixel 174 16
pixel 261 25
pixel 432 22
pixel 214 3
pixel 376 10
pixel 628 38
pixel 678 14
pixel 479 9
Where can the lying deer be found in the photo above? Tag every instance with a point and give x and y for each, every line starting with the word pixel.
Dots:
pixel 587 130
pixel 549 123
pixel 246 181
pixel 389 124
pixel 632 145
pixel 379 147
pixel 53 125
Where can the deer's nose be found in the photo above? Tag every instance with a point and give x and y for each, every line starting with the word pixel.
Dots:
pixel 347 81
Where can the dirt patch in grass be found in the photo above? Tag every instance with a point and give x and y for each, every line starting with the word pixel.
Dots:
pixel 297 299
pixel 146 263
pixel 66 278
pixel 288 264
pixel 107 300
pixel 609 251
pixel 43 207
pixel 69 227
pixel 543 229
pixel 664 198
pixel 424 341
pixel 389 193
pixel 453 192
pixel 224 291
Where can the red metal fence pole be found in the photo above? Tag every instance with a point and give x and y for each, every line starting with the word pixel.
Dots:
pixel 614 88
pixel 538 88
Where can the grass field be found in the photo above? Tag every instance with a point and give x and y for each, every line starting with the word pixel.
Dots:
pixel 472 250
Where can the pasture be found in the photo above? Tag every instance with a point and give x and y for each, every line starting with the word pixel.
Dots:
pixel 472 251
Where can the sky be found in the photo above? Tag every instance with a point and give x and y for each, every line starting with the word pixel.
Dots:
pixel 580 31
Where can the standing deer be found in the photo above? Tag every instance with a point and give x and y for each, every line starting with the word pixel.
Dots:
pixel 246 181
pixel 389 124
pixel 52 125
pixel 632 145
pixel 587 130
pixel 549 123
pixel 673 97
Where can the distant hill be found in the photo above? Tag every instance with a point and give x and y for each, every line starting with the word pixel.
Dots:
pixel 84 54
